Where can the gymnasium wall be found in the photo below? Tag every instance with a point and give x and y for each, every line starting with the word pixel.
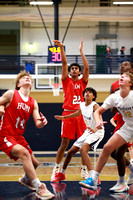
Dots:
pixel 34 33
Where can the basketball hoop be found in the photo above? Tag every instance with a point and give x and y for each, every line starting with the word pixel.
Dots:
pixel 56 88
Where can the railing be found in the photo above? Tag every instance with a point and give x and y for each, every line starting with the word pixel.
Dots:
pixel 12 64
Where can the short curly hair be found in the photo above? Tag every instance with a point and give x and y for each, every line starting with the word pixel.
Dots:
pixel 74 64
pixel 19 76
pixel 125 66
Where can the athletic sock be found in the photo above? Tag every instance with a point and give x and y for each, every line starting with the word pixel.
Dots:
pixel 91 172
pixel 63 171
pixel 130 166
pixel 26 177
pixel 95 176
pixel 121 179
pixel 57 165
pixel 36 183
pixel 131 161
pixel 83 167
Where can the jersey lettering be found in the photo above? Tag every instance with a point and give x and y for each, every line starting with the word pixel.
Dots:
pixel 23 106
pixel 76 86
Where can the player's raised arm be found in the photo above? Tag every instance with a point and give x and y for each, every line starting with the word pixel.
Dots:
pixel 85 63
pixel 64 60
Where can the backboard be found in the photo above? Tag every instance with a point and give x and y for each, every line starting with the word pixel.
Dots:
pixel 48 77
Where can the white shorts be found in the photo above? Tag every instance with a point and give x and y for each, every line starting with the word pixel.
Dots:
pixel 93 139
pixel 126 132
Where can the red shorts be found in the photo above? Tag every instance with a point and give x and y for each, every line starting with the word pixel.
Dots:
pixel 7 143
pixel 129 144
pixel 72 126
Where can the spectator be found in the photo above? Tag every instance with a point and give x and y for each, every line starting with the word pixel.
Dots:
pixel 108 60
pixel 122 57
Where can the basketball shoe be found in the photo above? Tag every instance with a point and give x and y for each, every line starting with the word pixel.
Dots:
pixel 119 187
pixel 89 183
pixel 130 179
pixel 44 193
pixel 28 184
pixel 98 182
pixel 58 177
pixel 55 170
pixel 88 176
pixel 84 173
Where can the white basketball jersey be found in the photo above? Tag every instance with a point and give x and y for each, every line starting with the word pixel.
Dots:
pixel 87 112
pixel 124 106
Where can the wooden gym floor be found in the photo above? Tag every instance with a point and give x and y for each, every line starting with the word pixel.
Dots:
pixel 69 189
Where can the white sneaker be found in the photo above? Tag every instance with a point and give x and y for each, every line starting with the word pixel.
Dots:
pixel 119 187
pixel 44 193
pixel 84 173
pixel 23 182
pixel 130 179
pixel 56 170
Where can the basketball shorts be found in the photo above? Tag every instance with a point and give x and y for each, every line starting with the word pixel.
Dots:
pixel 130 143
pixel 93 139
pixel 72 127
pixel 126 132
pixel 8 142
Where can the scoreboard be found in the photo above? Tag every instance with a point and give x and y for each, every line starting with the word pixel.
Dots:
pixel 54 54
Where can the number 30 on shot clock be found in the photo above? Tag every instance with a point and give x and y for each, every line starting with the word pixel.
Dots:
pixel 54 54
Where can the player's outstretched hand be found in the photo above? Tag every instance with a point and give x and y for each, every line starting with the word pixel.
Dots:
pixel 43 119
pixel 90 129
pixel 58 43
pixel 100 124
pixel 58 117
pixel 81 45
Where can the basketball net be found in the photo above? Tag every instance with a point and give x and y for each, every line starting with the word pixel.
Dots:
pixel 56 88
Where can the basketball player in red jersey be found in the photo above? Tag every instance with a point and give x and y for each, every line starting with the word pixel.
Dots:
pixel 119 154
pixel 19 106
pixel 125 66
pixel 73 88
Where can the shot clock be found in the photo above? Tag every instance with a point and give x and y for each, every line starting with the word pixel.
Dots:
pixel 54 54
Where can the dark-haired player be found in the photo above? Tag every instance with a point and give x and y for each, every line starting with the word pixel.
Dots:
pixel 73 88
pixel 91 136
